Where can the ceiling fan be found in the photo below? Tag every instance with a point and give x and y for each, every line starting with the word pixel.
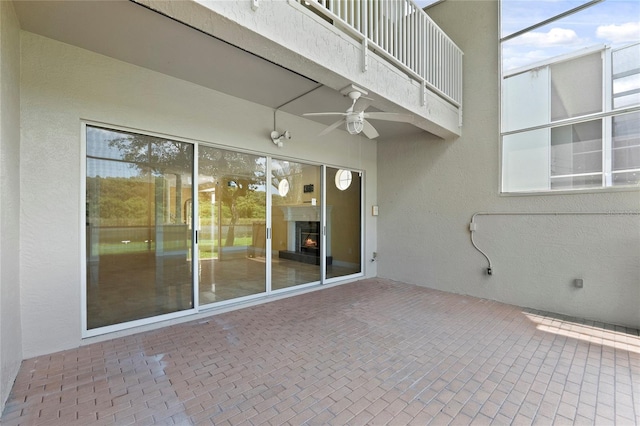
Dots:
pixel 356 118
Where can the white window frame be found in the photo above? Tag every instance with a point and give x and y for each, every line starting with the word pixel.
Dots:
pixel 606 115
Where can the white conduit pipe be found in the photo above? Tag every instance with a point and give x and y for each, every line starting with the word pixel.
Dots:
pixel 472 225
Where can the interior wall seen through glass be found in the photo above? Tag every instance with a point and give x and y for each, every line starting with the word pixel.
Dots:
pixel 576 149
pixel 344 222
pixel 296 216
pixel 576 87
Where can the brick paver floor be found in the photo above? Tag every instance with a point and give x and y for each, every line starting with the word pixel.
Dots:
pixel 370 352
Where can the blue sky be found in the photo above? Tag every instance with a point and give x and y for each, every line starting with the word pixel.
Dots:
pixel 425 3
pixel 611 22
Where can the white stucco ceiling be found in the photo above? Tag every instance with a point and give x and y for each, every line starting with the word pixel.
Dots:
pixel 132 33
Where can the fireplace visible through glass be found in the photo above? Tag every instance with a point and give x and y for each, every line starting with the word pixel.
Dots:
pixel 308 238
pixel 307 243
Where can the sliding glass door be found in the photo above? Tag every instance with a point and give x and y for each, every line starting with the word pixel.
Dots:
pixel 137 226
pixel 232 225
pixel 296 217
pixel 259 224
pixel 344 222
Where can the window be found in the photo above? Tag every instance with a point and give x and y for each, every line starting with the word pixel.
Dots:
pixel 570 95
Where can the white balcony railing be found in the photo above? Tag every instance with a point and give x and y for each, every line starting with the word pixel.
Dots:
pixel 405 35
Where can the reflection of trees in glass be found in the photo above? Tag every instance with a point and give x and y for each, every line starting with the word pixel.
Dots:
pixel 239 181
pixel 293 173
pixel 252 205
pixel 238 178
pixel 158 157
pixel 118 201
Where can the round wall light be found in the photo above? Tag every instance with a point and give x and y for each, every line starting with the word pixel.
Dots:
pixel 343 179
pixel 283 187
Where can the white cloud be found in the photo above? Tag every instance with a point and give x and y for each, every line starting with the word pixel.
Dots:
pixel 554 37
pixel 619 33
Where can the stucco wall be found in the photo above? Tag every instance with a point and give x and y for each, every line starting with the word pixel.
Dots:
pixel 429 189
pixel 62 85
pixel 10 334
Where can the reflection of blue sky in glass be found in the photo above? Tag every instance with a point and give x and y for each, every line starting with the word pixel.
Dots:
pixel 98 146
pixel 612 22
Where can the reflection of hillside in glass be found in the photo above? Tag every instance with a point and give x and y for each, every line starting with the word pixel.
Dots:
pixel 138 192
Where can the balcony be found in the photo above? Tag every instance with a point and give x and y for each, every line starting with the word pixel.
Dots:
pixel 404 35
pixel 391 48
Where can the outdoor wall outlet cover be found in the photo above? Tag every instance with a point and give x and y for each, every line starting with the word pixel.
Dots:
pixel 578 283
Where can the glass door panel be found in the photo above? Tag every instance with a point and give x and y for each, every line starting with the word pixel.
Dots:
pixel 296 224
pixel 344 222
pixel 138 239
pixel 232 225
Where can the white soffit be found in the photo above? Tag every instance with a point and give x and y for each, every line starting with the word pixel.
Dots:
pixel 131 33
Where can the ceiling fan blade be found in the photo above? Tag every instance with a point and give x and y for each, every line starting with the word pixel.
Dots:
pixel 389 116
pixel 369 131
pixel 320 114
pixel 332 127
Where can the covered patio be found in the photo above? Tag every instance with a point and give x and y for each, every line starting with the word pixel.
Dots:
pixel 370 352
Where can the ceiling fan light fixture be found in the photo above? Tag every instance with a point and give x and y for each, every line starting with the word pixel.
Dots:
pixel 354 126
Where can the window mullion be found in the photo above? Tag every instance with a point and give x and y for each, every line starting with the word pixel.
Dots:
pixel 607 151
pixel 607 130
pixel 195 229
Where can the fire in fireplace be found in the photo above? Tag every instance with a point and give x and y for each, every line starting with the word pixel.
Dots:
pixel 307 238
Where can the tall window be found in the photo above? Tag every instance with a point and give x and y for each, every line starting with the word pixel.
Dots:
pixel 570 94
